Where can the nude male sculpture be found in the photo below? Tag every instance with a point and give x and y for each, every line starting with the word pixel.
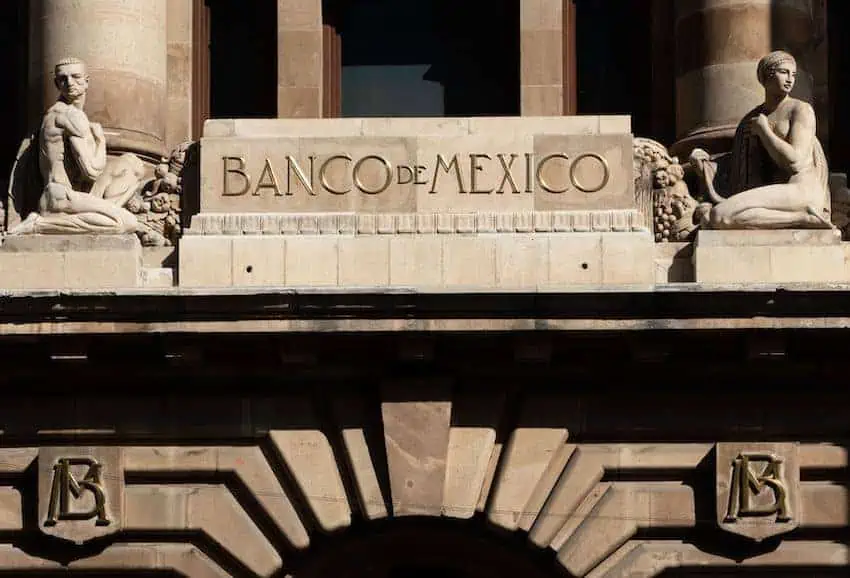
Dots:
pixel 779 175
pixel 82 192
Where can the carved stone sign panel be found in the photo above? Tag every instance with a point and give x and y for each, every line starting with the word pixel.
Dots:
pixel 473 165
pixel 80 492
pixel 758 488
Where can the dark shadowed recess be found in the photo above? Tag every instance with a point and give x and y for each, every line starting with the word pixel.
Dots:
pixel 243 58
pixel 427 57
pixel 428 548
pixel 13 61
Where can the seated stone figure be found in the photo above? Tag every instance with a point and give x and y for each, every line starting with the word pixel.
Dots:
pixel 778 178
pixel 80 192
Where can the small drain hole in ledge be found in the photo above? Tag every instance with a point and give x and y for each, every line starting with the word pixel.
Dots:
pixel 249 269
pixel 584 266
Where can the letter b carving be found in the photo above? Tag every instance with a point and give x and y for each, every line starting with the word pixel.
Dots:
pixel 758 489
pixel 80 492
pixel 66 487
pixel 746 485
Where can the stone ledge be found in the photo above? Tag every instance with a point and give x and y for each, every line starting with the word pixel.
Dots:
pixel 244 310
pixel 768 238
pixel 67 243
pixel 443 126
pixel 70 262
pixel 791 256
pixel 626 220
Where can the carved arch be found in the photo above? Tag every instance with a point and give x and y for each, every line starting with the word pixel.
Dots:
pixel 312 470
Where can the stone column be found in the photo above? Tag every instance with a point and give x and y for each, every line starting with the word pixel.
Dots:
pixel 541 57
pixel 718 46
pixel 124 44
pixel 300 58
pixel 180 73
pixel 817 62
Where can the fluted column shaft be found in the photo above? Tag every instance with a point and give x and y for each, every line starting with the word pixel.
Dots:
pixel 124 44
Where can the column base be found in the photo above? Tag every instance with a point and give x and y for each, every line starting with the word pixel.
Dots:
pixel 715 140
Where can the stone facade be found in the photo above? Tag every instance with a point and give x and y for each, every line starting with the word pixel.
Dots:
pixel 440 203
pixel 473 347
pixel 369 437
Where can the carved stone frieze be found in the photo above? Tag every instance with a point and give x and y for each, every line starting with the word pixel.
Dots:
pixel 625 220
pixel 567 497
pixel 758 488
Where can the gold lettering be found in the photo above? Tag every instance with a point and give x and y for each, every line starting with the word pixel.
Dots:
pixel 66 486
pixel 268 171
pixel 236 171
pixel 453 164
pixel 508 177
pixel 293 166
pixel 606 173
pixel 529 172
pixel 323 178
pixel 388 168
pixel 546 186
pixel 409 178
pixel 419 170
pixel 474 167
pixel 746 484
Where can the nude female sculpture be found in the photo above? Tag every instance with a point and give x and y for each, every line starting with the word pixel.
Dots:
pixel 779 175
pixel 82 192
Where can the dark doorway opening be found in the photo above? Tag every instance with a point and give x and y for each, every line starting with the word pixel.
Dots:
pixel 838 15
pixel 242 58
pixel 13 101
pixel 428 548
pixel 614 62
pixel 426 57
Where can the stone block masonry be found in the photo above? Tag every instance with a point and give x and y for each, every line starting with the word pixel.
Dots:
pixel 790 256
pixel 71 262
pixel 494 203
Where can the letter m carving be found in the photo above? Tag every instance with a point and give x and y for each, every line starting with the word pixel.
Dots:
pixel 753 474
pixel 66 488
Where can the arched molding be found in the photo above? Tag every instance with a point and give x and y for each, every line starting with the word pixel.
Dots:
pixel 508 468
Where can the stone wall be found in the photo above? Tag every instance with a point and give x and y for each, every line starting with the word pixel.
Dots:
pixel 480 202
pixel 326 447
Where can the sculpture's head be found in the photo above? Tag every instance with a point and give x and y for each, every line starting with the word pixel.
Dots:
pixel 71 79
pixel 777 72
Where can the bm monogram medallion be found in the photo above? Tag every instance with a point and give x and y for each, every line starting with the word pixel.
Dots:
pixel 80 492
pixel 758 489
